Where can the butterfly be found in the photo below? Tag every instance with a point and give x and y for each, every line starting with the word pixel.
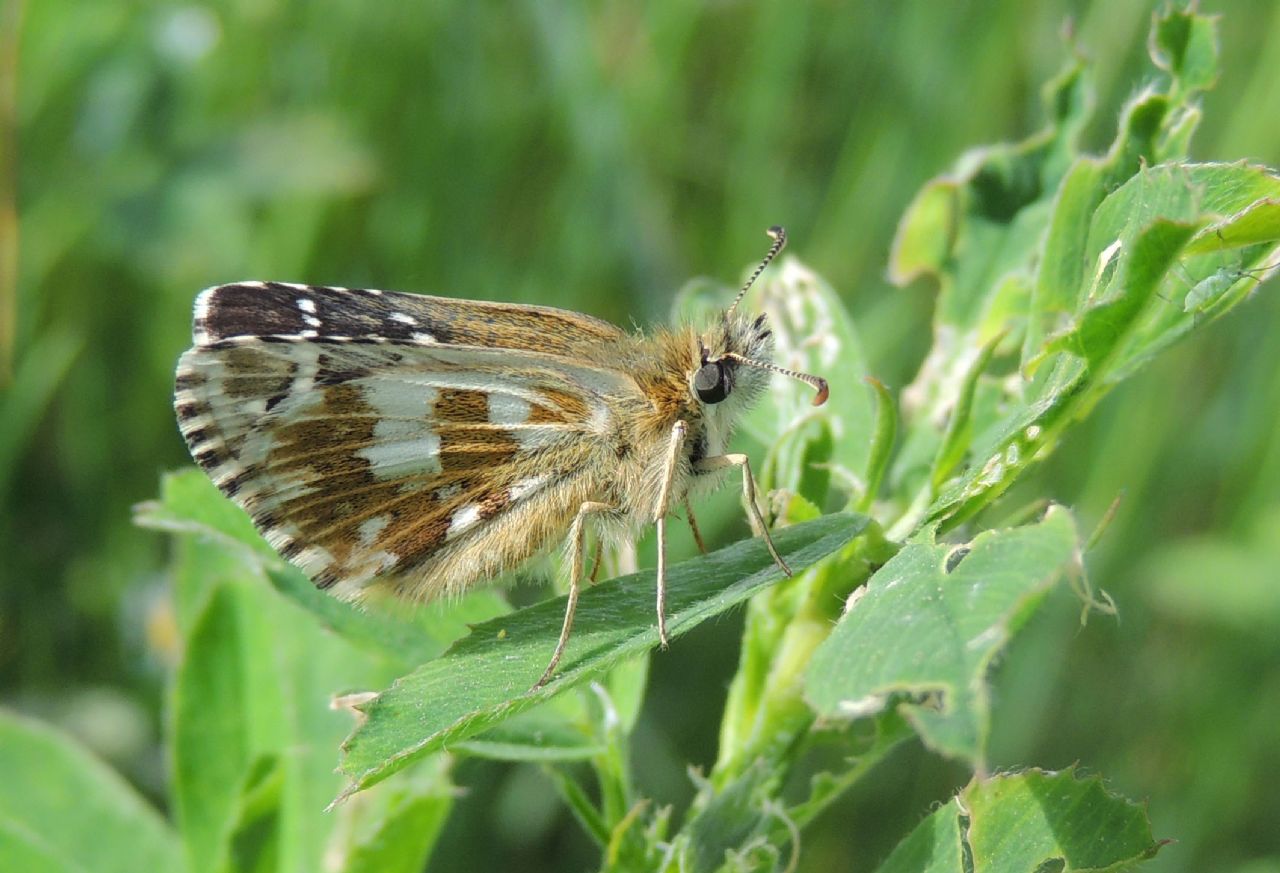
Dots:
pixel 391 442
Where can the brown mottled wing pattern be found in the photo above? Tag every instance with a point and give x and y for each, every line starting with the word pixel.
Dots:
pixel 365 432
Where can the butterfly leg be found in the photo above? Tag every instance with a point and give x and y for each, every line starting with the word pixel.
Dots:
pixel 693 526
pixel 596 559
pixel 720 462
pixel 660 519
pixel 577 536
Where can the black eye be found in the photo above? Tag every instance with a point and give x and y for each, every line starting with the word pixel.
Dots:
pixel 711 382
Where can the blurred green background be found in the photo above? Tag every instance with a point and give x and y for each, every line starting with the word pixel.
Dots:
pixel 594 156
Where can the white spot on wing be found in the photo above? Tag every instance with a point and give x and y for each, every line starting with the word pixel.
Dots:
pixel 394 459
pixel 311 320
pixel 371 527
pixel 508 409
pixel 399 399
pixel 403 318
pixel 525 487
pixel 421 336
pixel 199 334
pixel 313 559
pixel 464 519
pixel 307 305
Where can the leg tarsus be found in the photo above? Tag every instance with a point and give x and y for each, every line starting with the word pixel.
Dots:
pixel 719 462
pixel 577 533
pixel 693 526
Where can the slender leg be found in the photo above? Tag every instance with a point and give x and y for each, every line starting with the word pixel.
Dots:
pixel 711 465
pixel 660 519
pixel 596 559
pixel 693 526
pixel 577 534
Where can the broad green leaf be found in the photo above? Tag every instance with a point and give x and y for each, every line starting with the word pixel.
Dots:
pixel 1027 822
pixel 924 634
pixel 557 730
pixel 485 678
pixel 61 809
pixel 211 745
pixel 255 685
pixel 936 845
pixel 1102 333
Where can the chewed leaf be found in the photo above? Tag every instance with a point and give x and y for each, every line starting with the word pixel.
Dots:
pixel 928 626
pixel 485 678
pixel 1024 821
pixel 1027 821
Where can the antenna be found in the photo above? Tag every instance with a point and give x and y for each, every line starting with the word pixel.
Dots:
pixel 779 237
pixel 819 384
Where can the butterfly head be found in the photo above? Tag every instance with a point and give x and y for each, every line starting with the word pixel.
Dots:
pixel 736 356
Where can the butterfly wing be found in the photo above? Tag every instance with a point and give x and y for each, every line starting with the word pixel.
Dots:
pixel 363 457
pixel 310 311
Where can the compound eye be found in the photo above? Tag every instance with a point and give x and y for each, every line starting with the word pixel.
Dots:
pixel 711 382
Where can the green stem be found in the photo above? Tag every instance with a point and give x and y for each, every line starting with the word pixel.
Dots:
pixel 766 713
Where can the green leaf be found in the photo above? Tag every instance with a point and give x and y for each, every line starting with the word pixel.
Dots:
pixel 214 541
pixel 926 630
pixel 936 845
pixel 726 821
pixel 1185 45
pixel 255 841
pixel 255 685
pixel 1024 822
pixel 485 678
pixel 1133 304
pixel 884 434
pixel 399 823
pixel 1102 333
pixel 211 745
pixel 557 730
pixel 405 634
pixel 217 542
pixel 191 504
pixel 981 225
pixel 61 809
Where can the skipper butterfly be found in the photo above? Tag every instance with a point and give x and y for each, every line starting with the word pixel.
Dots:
pixel 420 445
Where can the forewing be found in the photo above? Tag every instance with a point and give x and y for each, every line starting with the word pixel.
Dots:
pixel 360 457
pixel 310 312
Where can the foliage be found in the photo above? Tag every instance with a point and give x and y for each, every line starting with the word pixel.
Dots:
pixel 1060 274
